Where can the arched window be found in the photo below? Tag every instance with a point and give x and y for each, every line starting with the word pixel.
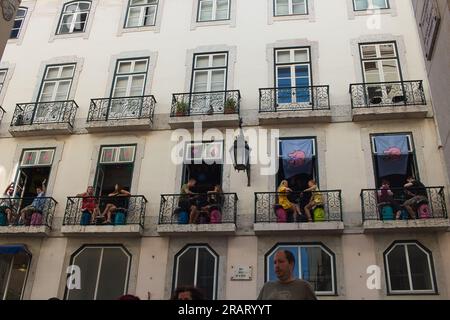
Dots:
pixel 409 269
pixel 74 17
pixel 313 263
pixel 141 13
pixel 14 266
pixel 103 272
pixel 197 266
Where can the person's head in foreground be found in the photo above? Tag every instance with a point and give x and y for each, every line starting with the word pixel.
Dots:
pixel 187 293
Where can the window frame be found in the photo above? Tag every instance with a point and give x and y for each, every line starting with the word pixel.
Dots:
pixel 129 6
pixel 370 6
pixel 214 11
pixel 209 69
pixel 72 24
pixel 102 247
pixel 19 33
pixel 197 247
pixel 291 6
pixel 56 80
pixel 412 148
pixel 30 256
pixel 299 245
pixel 2 84
pixel 379 59
pixel 38 152
pixel 130 74
pixel 431 268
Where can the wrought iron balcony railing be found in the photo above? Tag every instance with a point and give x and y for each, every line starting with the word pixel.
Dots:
pixel 27 211
pixel 294 99
pixel 105 109
pixel 2 113
pixel 210 208
pixel 268 207
pixel 52 112
pixel 387 94
pixel 205 103
pixel 378 204
pixel 125 210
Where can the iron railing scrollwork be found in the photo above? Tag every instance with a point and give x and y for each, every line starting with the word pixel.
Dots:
pixel 266 204
pixel 138 107
pixel 28 211
pixel 294 99
pixel 52 112
pixel 205 103
pixel 211 208
pixel 132 207
pixel 387 94
pixel 373 204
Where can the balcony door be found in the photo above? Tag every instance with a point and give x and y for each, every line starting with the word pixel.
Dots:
pixel 381 67
pixel 128 89
pixel 293 76
pixel 209 83
pixel 55 89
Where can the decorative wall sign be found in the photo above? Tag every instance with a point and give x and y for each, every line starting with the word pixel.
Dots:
pixel 241 273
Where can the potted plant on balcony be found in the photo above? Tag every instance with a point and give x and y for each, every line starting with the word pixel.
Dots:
pixel 181 108
pixel 230 106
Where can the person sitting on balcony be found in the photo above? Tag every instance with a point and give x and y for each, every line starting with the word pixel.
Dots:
pixel 89 203
pixel 386 196
pixel 188 198
pixel 115 202
pixel 7 205
pixel 416 192
pixel 315 200
pixel 37 206
pixel 283 200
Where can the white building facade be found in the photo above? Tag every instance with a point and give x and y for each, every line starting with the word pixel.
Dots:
pixel 149 94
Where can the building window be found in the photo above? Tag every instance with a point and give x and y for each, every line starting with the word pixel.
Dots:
pixel 141 13
pixel 213 10
pixel 290 7
pixel 105 272
pixel 129 78
pixel 3 73
pixel 14 266
pixel 56 83
pixel 74 17
pixel 297 163
pixel 210 72
pixel 115 166
pixel 293 75
pixel 409 269
pixel 197 266
pixel 394 158
pixel 18 22
pixel 313 263
pixel 362 5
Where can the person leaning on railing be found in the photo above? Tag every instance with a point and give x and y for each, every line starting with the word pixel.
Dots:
pixel 114 202
pixel 283 200
pixel 89 203
pixel 315 200
pixel 188 200
pixel 37 206
pixel 416 192
pixel 8 206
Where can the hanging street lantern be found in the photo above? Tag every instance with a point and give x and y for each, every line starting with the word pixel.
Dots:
pixel 240 153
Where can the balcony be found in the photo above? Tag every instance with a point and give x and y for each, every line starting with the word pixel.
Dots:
pixel 213 109
pixel 127 219
pixel 214 217
pixel 119 114
pixel 388 100
pixel 430 212
pixel 29 216
pixel 294 105
pixel 43 118
pixel 271 218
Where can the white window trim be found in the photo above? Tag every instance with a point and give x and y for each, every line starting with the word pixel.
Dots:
pixel 298 264
pixel 209 70
pixel 129 76
pixel 271 18
pixel 74 17
pixel 10 67
pixel 128 271
pixel 152 57
pixel 231 21
pixel 378 60
pixel 371 6
pixel 57 81
pixel 155 28
pixel 58 15
pixel 197 248
pixel 290 7
pixel 29 5
pixel 352 14
pixel 430 269
pixel 117 154
pixel 213 11
pixel 38 155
